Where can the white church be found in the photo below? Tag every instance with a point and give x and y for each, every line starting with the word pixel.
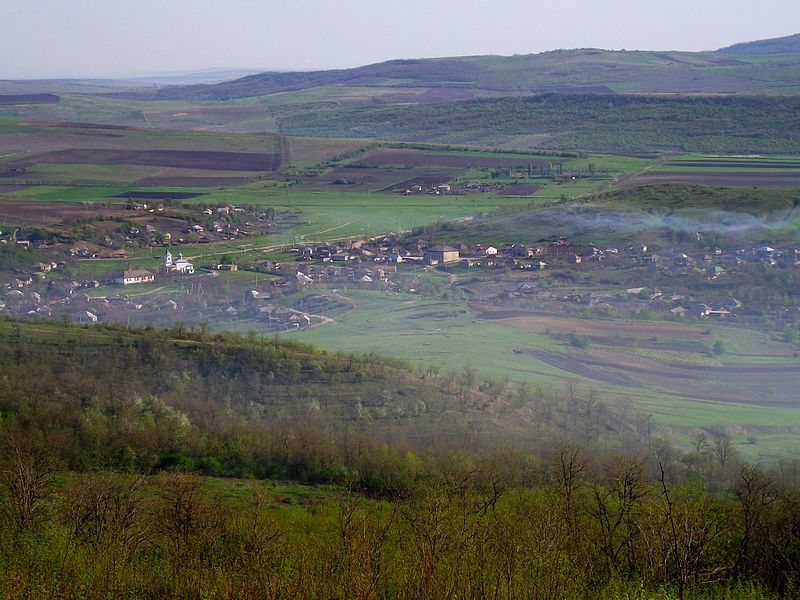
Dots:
pixel 180 266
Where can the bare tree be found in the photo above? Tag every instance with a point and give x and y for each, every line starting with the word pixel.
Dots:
pixel 26 480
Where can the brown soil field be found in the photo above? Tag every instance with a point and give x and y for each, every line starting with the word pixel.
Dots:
pixel 733 179
pixel 189 181
pixel 579 368
pixel 376 178
pixel 612 359
pixel 610 329
pixel 44 213
pixel 765 385
pixel 408 157
pixel 92 126
pixel 188 159
pixel 520 189
pixel 13 99
pixel 735 164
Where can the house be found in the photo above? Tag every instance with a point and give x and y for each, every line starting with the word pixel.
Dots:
pixel 525 288
pixel 255 295
pixel 698 311
pixel 84 316
pixel 134 276
pixel 681 258
pixel 539 265
pixel 520 251
pixel 441 255
pixel 730 303
pixel 490 251
pixel 168 305
pixel 575 259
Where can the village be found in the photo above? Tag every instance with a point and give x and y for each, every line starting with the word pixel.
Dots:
pixel 553 275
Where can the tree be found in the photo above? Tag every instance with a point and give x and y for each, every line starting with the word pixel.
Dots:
pixel 26 480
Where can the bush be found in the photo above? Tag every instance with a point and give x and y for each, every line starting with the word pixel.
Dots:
pixel 578 340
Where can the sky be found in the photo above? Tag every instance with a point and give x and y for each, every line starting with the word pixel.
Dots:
pixel 124 38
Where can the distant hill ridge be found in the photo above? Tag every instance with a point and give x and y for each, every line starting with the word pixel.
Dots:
pixel 782 45
pixel 727 70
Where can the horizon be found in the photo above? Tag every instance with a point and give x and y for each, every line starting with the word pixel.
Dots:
pixel 87 34
pixel 223 69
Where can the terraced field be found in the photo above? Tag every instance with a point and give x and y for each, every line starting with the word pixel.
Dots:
pixel 733 171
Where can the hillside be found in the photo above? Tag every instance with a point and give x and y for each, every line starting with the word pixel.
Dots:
pixel 768 66
pixel 121 398
pixel 574 122
pixel 784 45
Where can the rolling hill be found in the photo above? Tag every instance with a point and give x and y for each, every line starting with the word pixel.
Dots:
pixel 767 66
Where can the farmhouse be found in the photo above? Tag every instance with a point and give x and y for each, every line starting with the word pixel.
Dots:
pixel 84 316
pixel 440 255
pixel 134 276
